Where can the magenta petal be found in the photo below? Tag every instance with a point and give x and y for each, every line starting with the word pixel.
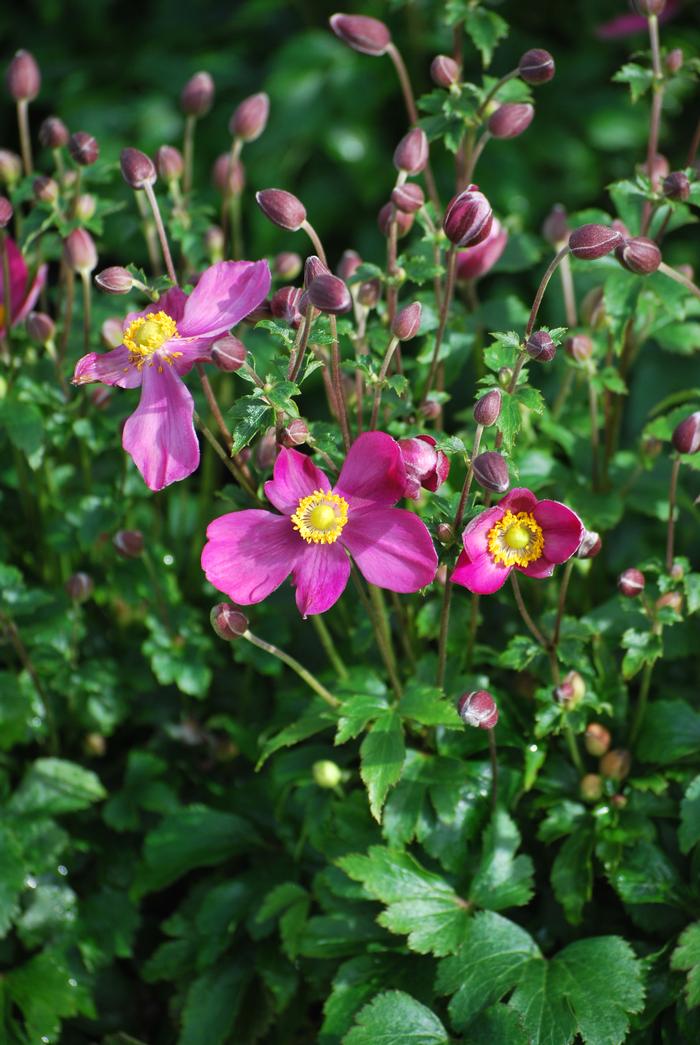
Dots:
pixel 392 548
pixel 562 530
pixel 294 476
pixel 172 303
pixel 474 537
pixel 111 368
pixel 320 576
pixel 540 568
pixel 518 499
pixel 160 434
pixel 248 554
pixel 482 575
pixel 19 276
pixel 373 473
pixel 32 294
pixel 226 292
pixel 191 351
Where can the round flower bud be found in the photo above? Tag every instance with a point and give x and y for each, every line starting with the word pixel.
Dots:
pixel 115 280
pixel 348 264
pixel 579 347
pixel 570 691
pixel 6 212
pixel 639 255
pixel 478 709
pixel 263 311
pixel 266 450
pixel 444 71
pixel 536 66
pixel 389 213
pixel 445 534
pixel 40 327
pixel 296 433
pixel 630 583
pixel 214 242
pixel 686 435
pixel 23 77
pixel 540 346
pixel 411 154
pixel 197 95
pixel 505 376
pixel 79 587
pixel 112 331
pixel 369 293
pixel 326 774
pixel 590 545
pixel 672 599
pixel 329 294
pixel 676 186
pixel 510 120
pixel 313 268
pixel 597 739
pixel 228 622
pixel 79 251
pixel 468 218
pixel 431 410
pixel 406 323
pixel 363 34
pixel 555 228
pixel 83 148
pixel 674 60
pixel 648 7
pixel 138 169
pixel 169 163
pixel 589 242
pixel 53 133
pixel 282 208
pixel 286 304
pixel 85 206
pixel 491 471
pixel 476 261
pixel 10 167
pixel 616 764
pixel 591 787
pixel 425 466
pixel 250 117
pixel 228 176
pixel 660 167
pixel 228 353
pixel 677 572
pixel 287 265
pixel 94 745
pixel 408 197
pixel 488 409
pixel 128 543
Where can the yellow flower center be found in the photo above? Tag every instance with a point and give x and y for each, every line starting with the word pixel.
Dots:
pixel 320 517
pixel 146 334
pixel 516 539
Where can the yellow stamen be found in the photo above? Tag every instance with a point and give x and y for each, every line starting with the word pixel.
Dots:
pixel 146 334
pixel 516 540
pixel 2 316
pixel 320 517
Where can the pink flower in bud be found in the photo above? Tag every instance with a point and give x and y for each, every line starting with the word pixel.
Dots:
pixel 629 24
pixel 369 293
pixel 348 265
pixel 570 691
pixel 589 242
pixel 510 120
pixel 445 534
pixel 444 71
pixel 329 294
pixel 6 212
pixel 590 545
pixel 313 268
pixel 536 66
pixel 214 242
pixel 648 7
pixel 478 709
pixel 250 117
pixel 616 764
pixel 138 169
pixel 115 280
pixel 83 148
pixel 363 34
pixel 540 346
pixel 430 409
pixel 676 186
pixel 406 323
pixel 111 332
pixel 53 133
pixel 674 60
pixel 258 314
pixel 488 409
pixel 286 304
pixel 389 213
pixel 85 206
pixel 639 254
pixel 411 154
pixel 228 622
pixel 491 471
pixel 468 218
pixel 630 583
pixel 23 291
pixel 426 467
pixel 79 251
pixel 597 739
pixel 660 167
pixel 228 176
pixel 555 228
pixel 480 259
pixel 281 208
pixel 169 163
pixel 287 265
pixel 128 543
pixel 266 450
pixel 79 587
pixel 10 167
pixel 228 353
pixel 296 433
pixel 408 197
pixel 23 77
pixel 579 347
pixel 686 435
pixel 197 95
pixel 40 327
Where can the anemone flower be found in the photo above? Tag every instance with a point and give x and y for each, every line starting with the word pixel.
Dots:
pixel 520 533
pixel 477 261
pixel 23 293
pixel 250 553
pixel 159 346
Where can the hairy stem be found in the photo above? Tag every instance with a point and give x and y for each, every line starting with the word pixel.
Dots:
pixel 444 313
pixel 160 229
pixel 300 670
pixel 329 646
pixel 380 379
pixel 25 141
pixel 670 533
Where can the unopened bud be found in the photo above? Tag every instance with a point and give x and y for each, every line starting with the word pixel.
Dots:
pixel 536 66
pixel 579 347
pixel 672 599
pixel 250 117
pixel 369 293
pixel 348 265
pixel 53 133
pixel 677 571
pixel 10 167
pixel 591 787
pixel 674 60
pixel 40 327
pixel 115 280
pixel 555 228
pixel 639 255
pixel 570 691
pixel 444 71
pixel 363 34
pixel 648 7
pixel 329 294
pixel 589 242
pixel 128 543
pixel 505 376
pixel 296 433
pixel 590 545
pixel 79 587
pixel 408 197
pixel 261 312
pixel 686 435
pixel 468 218
pixel 445 534
pixel 228 622
pixel 676 186
pixel 6 212
pixel 85 206
pixel 425 466
pixel 510 120
pixel 169 163
pixel 478 709
pixel 94 745
pixel 266 450
pixel 313 268
pixel 540 346
pixel 197 95
pixel 597 739
pixel 287 265
pixel 660 167
pixel 491 471
pixel 326 774
pixel 228 175
pixel 411 154
pixel 83 148
pixel 79 251
pixel 406 323
pixel 228 353
pixel 138 169
pixel 488 409
pixel 282 208
pixel 286 304
pixel 431 410
pixel 616 764
pixel 214 242
pixel 389 213
pixel 630 583
pixel 23 77
pixel 100 396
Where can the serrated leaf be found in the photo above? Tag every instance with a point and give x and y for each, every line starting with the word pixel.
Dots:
pixel 46 991
pixel 485 28
pixel 317 717
pixel 52 786
pixel 643 647
pixel 686 958
pixel 395 1018
pixel 671 730
pixel 502 879
pixel 638 78
pixel 359 979
pixel 212 1004
pixel 572 874
pixel 24 425
pixel 689 830
pixel 427 705
pixel 248 415
pixel 382 754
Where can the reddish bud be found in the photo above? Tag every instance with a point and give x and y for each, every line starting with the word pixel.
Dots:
pixel 79 251
pixel 491 471
pixel 169 163
pixel 83 148
pixel 296 433
pixel 369 293
pixel 228 176
pixel 53 133
pixel 589 242
pixel 431 410
pixel 674 60
pixel 408 197
pixel 348 264
pixel 250 117
pixel 677 572
pixel 510 120
pixel 389 213
pixel 579 347
pixel 79 587
pixel 468 218
pixel 672 599
pixel 488 409
pixel 214 242
pixel 85 206
pixel 591 787
pixel 597 739
pixel 128 543
pixel 570 691
pixel 23 77
pixel 555 228
pixel 6 212
pixel 287 265
pixel 478 260
pixel 659 168
pixel 540 346
pixel 313 268
pixel 478 709
pixel 444 71
pixel 445 534
pixel 329 294
pixel 115 280
pixel 197 95
pixel 266 450
pixel 616 764
pixel 10 167
pixel 286 304
pixel 639 255
pixel 138 169
pixel 363 34
pixel 406 323
pixel 676 186
pixel 425 466
pixel 536 66
pixel 590 545
pixel 228 622
pixel 282 208
pixel 40 327
pixel 411 154
pixel 228 353
pixel 686 435
pixel 630 583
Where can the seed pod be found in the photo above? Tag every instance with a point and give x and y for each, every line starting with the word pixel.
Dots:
pixel 169 163
pixel 10 167
pixel 128 543
pixel 676 186
pixel 555 228
pixel 286 305
pixel 115 280
pixel 389 212
pixel 616 764
pixel 228 353
pixel 468 218
pixel 228 622
pixel 540 346
pixel 590 545
pixel 425 466
pixel 329 294
pixel 630 583
pixel 648 7
pixel 326 774
pixel 579 347
pixel 138 169
pixel 23 77
pixel 228 176
pixel 197 95
pixel 296 433
pixel 686 435
pixel 406 323
pixel 408 197
pixel 674 60
pixel 597 739
pixel 282 208
pixel 510 120
pixel 536 66
pixel 83 148
pixel 488 409
pixel 363 34
pixel 348 264
pixel 6 212
pixel 444 71
pixel 53 133
pixel 411 154
pixel 40 327
pixel 250 117
pixel 287 265
pixel 478 709
pixel 79 587
pixel 79 251
pixel 639 255
pixel 591 787
pixel 491 471
pixel 589 242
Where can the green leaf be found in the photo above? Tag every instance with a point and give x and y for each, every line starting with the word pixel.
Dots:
pixel 485 28
pixel 395 1018
pixel 639 79
pixel 643 647
pixel 212 1004
pixel 290 903
pixel 645 875
pixel 572 874
pixel 502 879
pixel 686 958
pixel 52 786
pixel 671 731
pixel 357 712
pixel 317 717
pixel 499 1025
pixel 509 419
pixel 12 874
pixel 689 830
pixel 24 424
pixel 248 416
pixel 382 754
pixel 683 338
pixel 359 979
pixel 46 991
pixel 427 705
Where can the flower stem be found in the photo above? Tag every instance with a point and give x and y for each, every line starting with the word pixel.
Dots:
pixel 694 146
pixel 475 156
pixel 10 629
pixel 382 375
pixel 314 237
pixel 494 767
pixel 522 608
pixel 160 229
pixel 336 378
pixel 670 533
pixel 657 97
pixel 296 361
pixel 229 462
pixel 301 671
pixel 410 104
pixel 213 405
pixel 562 601
pixel 567 286
pixel 25 140
pixel 377 600
pixel 642 701
pixel 495 89
pixel 329 646
pixel 595 437
pixel 188 152
pixel 149 233
pixel 444 312
pixel 7 303
pixel 679 278
pixel 553 266
pixel 87 309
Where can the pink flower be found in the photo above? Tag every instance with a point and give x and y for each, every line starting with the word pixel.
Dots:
pixel 425 466
pixel 250 553
pixel 477 261
pixel 520 533
pixel 161 344
pixel 23 294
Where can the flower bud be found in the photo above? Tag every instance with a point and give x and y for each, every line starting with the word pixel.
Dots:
pixel 296 433
pixel 468 218
pixel 286 305
pixel 363 34
pixel 540 346
pixel 53 133
pixel 85 206
pixel 10 167
pixel 250 117
pixel 79 587
pixel 228 622
pixel 23 77
pixel 262 311
pixel 639 255
pixel 630 583
pixel 389 213
pixel 6 212
pixel 326 774
pixel 660 167
pixel 555 228
pixel 510 120
pixel 591 787
pixel 214 242
pixel 478 709
pixel 425 466
pixel 100 396
pixel 648 7
pixel 94 745
pixel 169 163
pixel 505 376
pixel 228 176
pixel 313 268
pixel 677 571
pixel 115 280
pixel 444 71
pixel 536 66
pixel 348 265
pixel 282 208
pixel 674 60
pixel 676 186
pixel 597 739
pixel 411 154
pixel 590 545
pixel 672 599
pixel 589 242
pixel 128 543
pixel 197 95
pixel 369 293
pixel 138 169
pixel 478 260
pixel 112 331
pixel 228 353
pixel 488 409
pixel 579 347
pixel 329 294
pixel 593 308
pixel 79 251
pixel 430 409
pixel 40 327
pixel 83 148
pixel 287 265
pixel 445 534
pixel 266 450
pixel 408 197
pixel 616 764
pixel 406 323
pixel 491 471
pixel 686 435
pixel 570 691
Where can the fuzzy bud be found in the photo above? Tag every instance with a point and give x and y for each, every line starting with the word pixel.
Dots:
pixel 85 206
pixel 672 599
pixel 590 545
pixel 40 327
pixel 630 583
pixel 406 323
pixel 431 410
pixel 444 71
pixel 591 787
pixel 571 690
pixel 83 148
pixel 369 293
pixel 639 255
pixel 326 774
pixel 128 543
pixel 228 353
pixel 197 95
pixel 228 176
pixel 250 117
pixel 478 709
pixel 616 764
pixel 445 534
pixel 348 265
pixel 169 163
pixel 286 304
pixel 411 154
pixel 676 186
pixel 408 197
pixel 214 242
pixel 488 409
pixel 79 251
pixel 23 77
pixel 329 294
pixel 53 133
pixel 363 34
pixel 674 60
pixel 313 268
pixel 536 66
pixel 491 471
pixel 389 213
pixel 589 242
pixel 228 622
pixel 296 433
pixel 677 572
pixel 468 218
pixel 94 745
pixel 648 7
pixel 597 739
pixel 287 265
pixel 505 376
pixel 10 167
pixel 138 169
pixel 555 228
pixel 79 587
pixel 579 347
pixel 115 280
pixel 510 120
pixel 6 212
pixel 281 208
pixel 426 467
pixel 540 346
pixel 686 435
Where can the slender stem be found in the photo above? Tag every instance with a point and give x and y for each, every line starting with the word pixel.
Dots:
pixel 562 601
pixel 377 599
pixel 404 628
pixel 160 229
pixel 25 140
pixel 570 739
pixel 301 671
pixel 670 533
pixel 231 203
pixel 642 701
pixel 213 405
pixel 314 237
pixel 473 625
pixel 9 626
pixel 336 377
pixel 553 266
pixel 494 767
pixel 567 286
pixel 595 436
pixel 410 104
pixel 563 393
pixel 6 302
pixel 149 233
pixel 380 380
pixel 657 98
pixel 694 146
pixel 459 514
pixel 329 646
pixel 529 622
pixel 444 312
pixel 679 278
pixel 188 152
pixel 495 89
pixel 87 309
pixel 68 312
pixel 475 156
pixel 385 653
pixel 229 462
pixel 296 361
pixel 392 292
